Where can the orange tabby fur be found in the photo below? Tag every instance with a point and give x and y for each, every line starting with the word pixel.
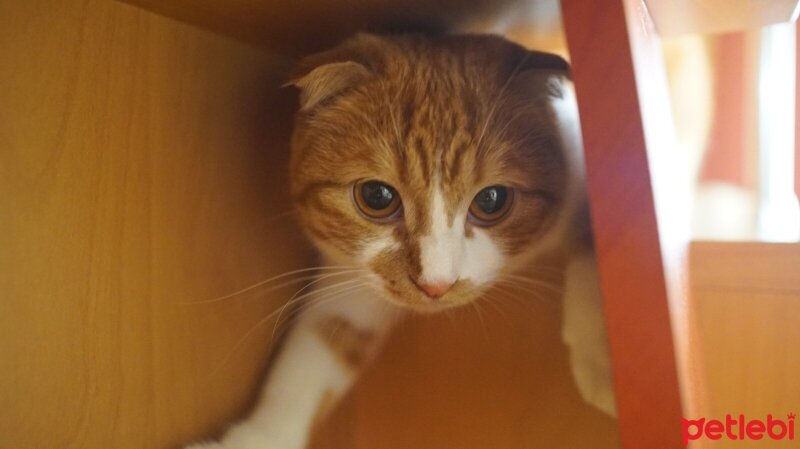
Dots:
pixel 470 110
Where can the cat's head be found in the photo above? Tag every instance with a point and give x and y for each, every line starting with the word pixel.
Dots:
pixel 434 163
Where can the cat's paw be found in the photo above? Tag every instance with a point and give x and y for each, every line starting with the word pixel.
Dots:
pixel 591 369
pixel 584 332
pixel 252 434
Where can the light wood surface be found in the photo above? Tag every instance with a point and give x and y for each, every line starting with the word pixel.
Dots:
pixel 498 377
pixel 719 16
pixel 622 92
pixel 745 306
pixel 141 165
pixel 302 26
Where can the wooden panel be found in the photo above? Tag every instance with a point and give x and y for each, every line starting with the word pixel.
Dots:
pixel 302 26
pixel 494 378
pixel 141 165
pixel 308 25
pixel 621 96
pixel 745 299
pixel 718 16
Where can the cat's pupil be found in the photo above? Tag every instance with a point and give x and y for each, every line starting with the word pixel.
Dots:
pixel 377 195
pixel 491 199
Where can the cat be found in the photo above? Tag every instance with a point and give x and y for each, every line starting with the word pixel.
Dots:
pixel 425 170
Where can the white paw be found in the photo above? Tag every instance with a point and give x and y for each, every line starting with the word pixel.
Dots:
pixel 591 369
pixel 251 434
pixel 584 332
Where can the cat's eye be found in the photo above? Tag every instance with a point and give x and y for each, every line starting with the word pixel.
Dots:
pixel 377 200
pixel 491 205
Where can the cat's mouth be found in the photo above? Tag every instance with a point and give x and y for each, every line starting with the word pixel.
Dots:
pixel 409 294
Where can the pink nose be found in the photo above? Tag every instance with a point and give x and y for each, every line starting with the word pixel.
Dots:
pixel 435 289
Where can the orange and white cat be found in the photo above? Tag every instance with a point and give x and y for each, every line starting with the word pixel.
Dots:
pixel 426 170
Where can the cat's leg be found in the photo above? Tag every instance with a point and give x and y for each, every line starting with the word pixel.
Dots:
pixel 320 359
pixel 584 332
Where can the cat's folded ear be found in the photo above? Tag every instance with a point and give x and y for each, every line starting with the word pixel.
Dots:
pixel 537 76
pixel 542 72
pixel 324 75
pixel 327 80
pixel 547 62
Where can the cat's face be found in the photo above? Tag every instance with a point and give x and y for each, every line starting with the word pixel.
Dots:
pixel 433 164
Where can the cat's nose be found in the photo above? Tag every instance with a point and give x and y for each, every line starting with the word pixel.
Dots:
pixel 435 289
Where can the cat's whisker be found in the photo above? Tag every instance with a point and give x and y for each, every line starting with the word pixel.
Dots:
pixel 340 324
pixel 501 135
pixel 515 285
pixel 337 290
pixel 507 295
pixel 556 269
pixel 492 301
pixel 272 279
pixel 537 289
pixel 477 309
pixel 313 301
pixel 322 278
pixel 531 301
pixel 552 286
pixel 539 272
pixel 308 305
pixel 394 312
pixel 318 302
pixel 296 298
pixel 501 300
pixel 498 99
pixel 263 321
pixel 546 293
pixel 537 294
pixel 268 289
pixel 401 148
